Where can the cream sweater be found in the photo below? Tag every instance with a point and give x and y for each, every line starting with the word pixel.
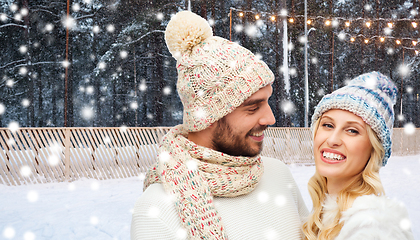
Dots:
pixel 274 210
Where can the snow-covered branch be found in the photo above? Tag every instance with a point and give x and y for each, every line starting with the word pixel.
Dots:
pixel 11 63
pixel 13 25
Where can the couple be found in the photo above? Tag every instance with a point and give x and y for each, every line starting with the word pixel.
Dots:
pixel 210 181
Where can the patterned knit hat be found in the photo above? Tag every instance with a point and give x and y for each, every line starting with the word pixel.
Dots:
pixel 370 96
pixel 215 75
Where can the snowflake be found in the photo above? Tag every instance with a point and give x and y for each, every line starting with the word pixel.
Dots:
pixel 69 22
pixel 75 7
pixel 414 12
pixel 18 17
pixel 95 186
pixel 29 236
pixel 409 128
pixel 192 165
pixel 167 90
pixel 26 102
pixel 9 232
pixel 200 113
pixel 53 160
pixel 387 31
pixel 87 1
pixel 283 12
pixel 14 7
pixel 181 234
pixel 251 31
pixel 23 71
pixel 2 108
pixel 87 113
pixel 160 16
pixel 110 28
pixel 123 54
pixel 13 126
pixel 23 49
pixel 263 197
pixel 65 63
pixel 25 171
pixel 3 17
pixel 368 7
pixel 314 60
pixel 94 220
pixel 142 86
pixel 390 51
pixel 405 224
pixel 404 70
pixel 96 29
pixel 211 22
pixel 134 105
pixel 280 200
pixel 287 107
pixel 342 36
pixel 164 156
pixel 102 65
pixel 90 89
pixel 32 196
pixel 238 28
pixel 153 212
pixel 302 39
pixel 335 23
pixel 409 89
pixel 72 187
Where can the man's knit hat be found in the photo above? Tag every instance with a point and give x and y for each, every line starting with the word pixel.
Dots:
pixel 370 96
pixel 215 75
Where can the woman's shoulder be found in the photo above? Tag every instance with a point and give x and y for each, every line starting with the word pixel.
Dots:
pixel 376 217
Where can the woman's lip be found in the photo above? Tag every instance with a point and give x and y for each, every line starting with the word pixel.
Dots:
pixel 332 161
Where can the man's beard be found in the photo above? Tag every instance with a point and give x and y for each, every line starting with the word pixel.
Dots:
pixel 224 140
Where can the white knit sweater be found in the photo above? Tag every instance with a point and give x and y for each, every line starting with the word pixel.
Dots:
pixel 371 217
pixel 274 210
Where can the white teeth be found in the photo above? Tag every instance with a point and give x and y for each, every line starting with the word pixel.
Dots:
pixel 257 134
pixel 332 156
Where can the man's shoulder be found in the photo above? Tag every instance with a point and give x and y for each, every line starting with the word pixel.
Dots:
pixel 270 162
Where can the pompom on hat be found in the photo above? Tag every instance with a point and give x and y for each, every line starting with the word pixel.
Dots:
pixel 215 75
pixel 370 96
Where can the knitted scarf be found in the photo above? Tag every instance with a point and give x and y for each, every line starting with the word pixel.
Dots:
pixel 194 174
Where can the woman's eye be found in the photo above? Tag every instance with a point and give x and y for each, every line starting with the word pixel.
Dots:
pixel 327 125
pixel 353 131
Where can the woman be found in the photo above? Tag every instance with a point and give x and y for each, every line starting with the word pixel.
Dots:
pixel 352 139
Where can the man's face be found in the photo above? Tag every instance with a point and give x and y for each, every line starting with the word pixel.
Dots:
pixel 240 133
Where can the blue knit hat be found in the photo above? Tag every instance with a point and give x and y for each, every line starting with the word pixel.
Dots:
pixel 370 96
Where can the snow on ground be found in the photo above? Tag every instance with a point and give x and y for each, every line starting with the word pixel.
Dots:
pixel 92 209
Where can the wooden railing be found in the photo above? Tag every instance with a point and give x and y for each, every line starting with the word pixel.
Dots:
pixel 40 155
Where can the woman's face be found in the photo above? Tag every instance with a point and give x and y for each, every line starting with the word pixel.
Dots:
pixel 341 146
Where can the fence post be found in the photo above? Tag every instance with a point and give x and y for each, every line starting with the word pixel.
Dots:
pixel 67 153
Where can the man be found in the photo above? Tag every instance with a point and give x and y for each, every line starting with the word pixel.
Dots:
pixel 209 181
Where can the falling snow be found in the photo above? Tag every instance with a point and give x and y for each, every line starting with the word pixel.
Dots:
pixel 92 209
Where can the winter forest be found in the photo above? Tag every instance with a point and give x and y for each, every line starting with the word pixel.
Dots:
pixel 104 63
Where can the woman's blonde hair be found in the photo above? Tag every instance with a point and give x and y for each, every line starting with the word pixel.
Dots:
pixel 366 183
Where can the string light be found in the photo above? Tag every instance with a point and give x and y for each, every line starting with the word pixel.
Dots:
pixel 390 23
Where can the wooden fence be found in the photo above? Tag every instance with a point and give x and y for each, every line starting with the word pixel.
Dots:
pixel 41 155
